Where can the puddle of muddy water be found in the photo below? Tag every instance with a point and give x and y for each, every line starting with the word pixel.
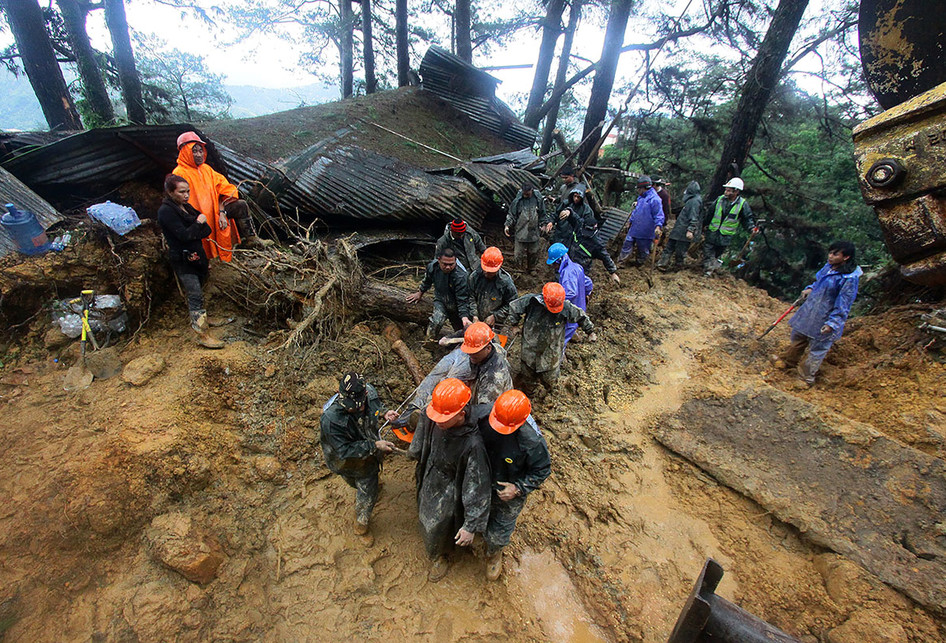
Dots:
pixel 545 583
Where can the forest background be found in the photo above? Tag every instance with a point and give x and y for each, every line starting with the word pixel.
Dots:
pixel 688 87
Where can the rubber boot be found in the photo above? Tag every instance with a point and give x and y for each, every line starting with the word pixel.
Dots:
pixel 361 530
pixel 494 566
pixel 248 237
pixel 438 569
pixel 216 322
pixel 201 327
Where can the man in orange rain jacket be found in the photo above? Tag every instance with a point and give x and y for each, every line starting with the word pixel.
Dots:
pixel 215 197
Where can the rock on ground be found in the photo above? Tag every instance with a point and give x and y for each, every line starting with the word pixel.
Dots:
pixel 140 371
pixel 179 545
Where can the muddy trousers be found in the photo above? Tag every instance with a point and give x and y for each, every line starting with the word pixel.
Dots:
pixel 366 495
pixel 711 253
pixel 528 254
pixel 817 349
pixel 675 250
pixel 531 379
pixel 642 245
pixel 193 286
pixel 502 522
pixel 440 316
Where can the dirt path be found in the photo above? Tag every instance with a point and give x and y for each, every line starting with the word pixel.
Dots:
pixel 606 551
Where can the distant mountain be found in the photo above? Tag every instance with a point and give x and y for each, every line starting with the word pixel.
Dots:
pixel 19 109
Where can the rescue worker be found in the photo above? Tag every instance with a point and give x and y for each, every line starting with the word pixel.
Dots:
pixel 183 229
pixel 214 196
pixel 351 442
pixel 543 332
pixel 685 229
pixel 569 183
pixel 646 223
pixel 526 213
pixel 480 363
pixel 587 247
pixel 519 463
pixel 452 475
pixel 451 293
pixel 819 321
pixel 491 288
pixel 576 283
pixel 466 243
pixel 729 211
pixel 575 216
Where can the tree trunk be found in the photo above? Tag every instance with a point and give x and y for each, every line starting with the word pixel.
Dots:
pixel 93 85
pixel 761 80
pixel 462 15
pixel 403 47
pixel 376 298
pixel 345 48
pixel 125 60
pixel 551 29
pixel 551 120
pixel 604 74
pixel 371 80
pixel 39 60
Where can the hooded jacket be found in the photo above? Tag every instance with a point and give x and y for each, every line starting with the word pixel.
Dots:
pixel 487 380
pixel 579 215
pixel 525 215
pixel 576 283
pixel 832 294
pixel 543 332
pixel 207 186
pixel 690 218
pixel 452 477
pixel 648 214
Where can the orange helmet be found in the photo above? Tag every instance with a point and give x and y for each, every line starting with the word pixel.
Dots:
pixel 477 337
pixel 450 397
pixel 492 259
pixel 554 295
pixel 510 411
pixel 188 137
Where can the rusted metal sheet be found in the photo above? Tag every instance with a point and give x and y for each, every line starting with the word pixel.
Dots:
pixel 15 143
pixel 614 221
pixel 12 190
pixel 844 485
pixel 473 92
pixel 901 166
pixel 901 43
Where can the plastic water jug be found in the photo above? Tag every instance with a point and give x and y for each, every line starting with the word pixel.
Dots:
pixel 26 231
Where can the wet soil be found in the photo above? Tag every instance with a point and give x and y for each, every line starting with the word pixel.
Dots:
pixel 607 550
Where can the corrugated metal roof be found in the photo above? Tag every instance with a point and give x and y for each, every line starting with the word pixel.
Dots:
pixel 502 180
pixel 339 186
pixel 12 190
pixel 519 158
pixel 614 220
pixel 473 92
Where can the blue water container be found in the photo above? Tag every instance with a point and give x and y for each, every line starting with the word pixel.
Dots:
pixel 26 231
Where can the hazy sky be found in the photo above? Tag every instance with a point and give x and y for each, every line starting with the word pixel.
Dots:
pixel 273 62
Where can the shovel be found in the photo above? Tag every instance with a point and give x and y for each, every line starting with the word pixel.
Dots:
pixel 795 304
pixel 79 376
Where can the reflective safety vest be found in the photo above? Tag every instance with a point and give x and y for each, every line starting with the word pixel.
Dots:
pixel 730 224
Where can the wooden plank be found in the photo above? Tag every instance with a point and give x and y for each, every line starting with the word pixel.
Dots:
pixel 845 485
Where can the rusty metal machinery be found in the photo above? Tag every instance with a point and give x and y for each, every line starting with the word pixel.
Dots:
pixel 707 617
pixel 901 153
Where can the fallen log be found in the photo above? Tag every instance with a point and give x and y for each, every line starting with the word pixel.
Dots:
pixel 378 299
pixel 318 301
pixel 393 334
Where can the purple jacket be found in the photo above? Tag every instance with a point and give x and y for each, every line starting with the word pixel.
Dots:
pixel 648 214
pixel 577 285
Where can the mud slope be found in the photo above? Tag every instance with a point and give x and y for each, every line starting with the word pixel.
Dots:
pixel 606 551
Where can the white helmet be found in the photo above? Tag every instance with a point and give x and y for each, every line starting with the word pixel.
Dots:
pixel 736 184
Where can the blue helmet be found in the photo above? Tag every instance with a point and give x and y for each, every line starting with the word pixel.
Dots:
pixel 556 252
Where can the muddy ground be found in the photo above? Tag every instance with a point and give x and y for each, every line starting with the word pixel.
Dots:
pixel 606 551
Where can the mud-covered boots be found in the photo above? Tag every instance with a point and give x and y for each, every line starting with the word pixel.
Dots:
pixel 202 328
pixel 494 565
pixel 239 211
